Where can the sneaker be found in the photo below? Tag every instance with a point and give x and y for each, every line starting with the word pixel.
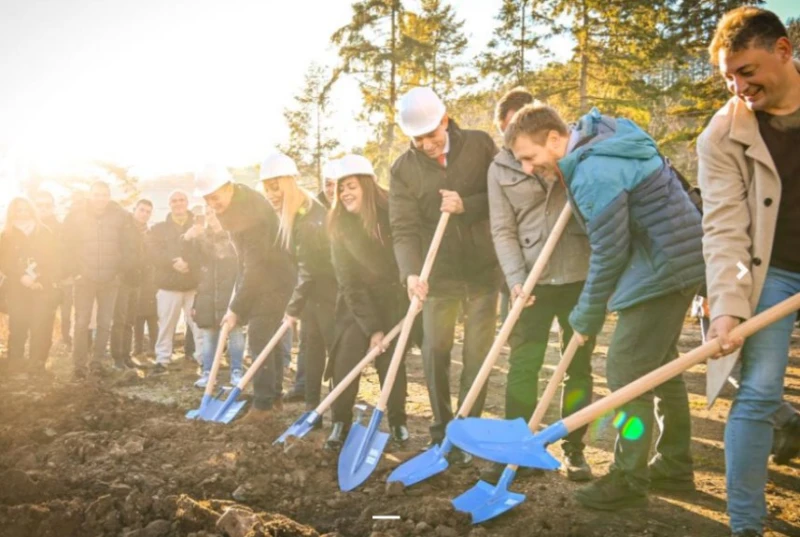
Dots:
pixel 786 444
pixel 611 492
pixel 492 473
pixel 399 434
pixel 160 369
pixel 576 467
pixel 747 533
pixel 202 382
pixel 236 377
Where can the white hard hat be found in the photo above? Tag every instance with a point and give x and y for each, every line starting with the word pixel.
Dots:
pixel 350 165
pixel 420 111
pixel 210 178
pixel 330 170
pixel 277 165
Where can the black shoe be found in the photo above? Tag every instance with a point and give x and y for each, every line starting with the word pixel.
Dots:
pixel 160 369
pixel 294 397
pixel 492 473
pixel 459 458
pixel 747 533
pixel 663 482
pixel 128 363
pixel 399 434
pixel 786 444
pixel 611 492
pixel 338 435
pixel 576 467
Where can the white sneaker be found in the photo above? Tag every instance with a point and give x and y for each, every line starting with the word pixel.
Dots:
pixel 236 377
pixel 202 382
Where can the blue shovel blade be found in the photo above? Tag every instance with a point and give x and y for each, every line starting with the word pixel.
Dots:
pixel 227 410
pixel 300 428
pixel 209 406
pixel 506 441
pixel 426 464
pixel 485 502
pixel 361 452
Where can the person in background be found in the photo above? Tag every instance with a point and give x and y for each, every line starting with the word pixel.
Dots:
pixel 303 233
pixel 266 276
pixel 749 176
pixel 146 309
pixel 46 207
pixel 29 259
pixel 176 276
pixel 98 251
pixel 218 273
pixel 371 298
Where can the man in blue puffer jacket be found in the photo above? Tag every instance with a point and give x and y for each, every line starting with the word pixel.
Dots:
pixel 646 263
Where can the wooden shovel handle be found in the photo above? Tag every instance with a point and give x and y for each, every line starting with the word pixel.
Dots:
pixel 356 371
pixel 516 311
pixel 263 355
pixel 413 310
pixel 212 377
pixel 679 365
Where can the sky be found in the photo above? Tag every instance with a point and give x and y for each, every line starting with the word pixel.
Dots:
pixel 165 84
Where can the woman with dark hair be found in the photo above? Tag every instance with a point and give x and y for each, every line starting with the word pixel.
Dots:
pixel 371 299
pixel 29 260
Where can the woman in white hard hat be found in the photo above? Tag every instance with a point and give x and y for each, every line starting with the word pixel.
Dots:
pixel 371 298
pixel 303 233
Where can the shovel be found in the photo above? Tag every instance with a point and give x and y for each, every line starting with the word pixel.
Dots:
pixel 228 409
pixel 485 501
pixel 364 445
pixel 511 442
pixel 434 460
pixel 306 422
pixel 209 406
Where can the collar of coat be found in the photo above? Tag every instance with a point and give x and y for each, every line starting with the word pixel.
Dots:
pixel 455 140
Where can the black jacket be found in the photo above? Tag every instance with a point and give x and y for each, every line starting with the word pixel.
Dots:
pixel 166 243
pixel 312 254
pixel 266 272
pixel 218 272
pixel 18 251
pixel 466 255
pixel 369 288
pixel 99 248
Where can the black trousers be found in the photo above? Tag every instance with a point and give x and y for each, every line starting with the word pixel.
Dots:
pixel 31 315
pixel 151 323
pixel 268 380
pixel 122 324
pixel 316 333
pixel 351 346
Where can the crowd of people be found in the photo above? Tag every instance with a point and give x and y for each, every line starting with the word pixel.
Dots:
pixel 342 265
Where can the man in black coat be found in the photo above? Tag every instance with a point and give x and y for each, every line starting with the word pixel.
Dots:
pixel 266 276
pixel 444 170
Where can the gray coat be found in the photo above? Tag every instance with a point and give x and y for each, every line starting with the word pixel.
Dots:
pixel 523 210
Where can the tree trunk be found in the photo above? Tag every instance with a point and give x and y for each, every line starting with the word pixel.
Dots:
pixel 583 43
pixel 318 152
pixel 521 67
pixel 392 85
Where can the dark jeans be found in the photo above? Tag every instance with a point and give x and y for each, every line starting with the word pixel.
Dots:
pixel 66 313
pixel 316 335
pixel 138 334
pixel 439 316
pixel 31 314
pixel 122 326
pixel 86 293
pixel 267 382
pixel 351 347
pixel 646 338
pixel 529 341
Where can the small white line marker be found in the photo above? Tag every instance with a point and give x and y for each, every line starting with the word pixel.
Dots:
pixel 386 517
pixel 742 270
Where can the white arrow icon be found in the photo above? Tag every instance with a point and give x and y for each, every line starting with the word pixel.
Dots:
pixel 742 270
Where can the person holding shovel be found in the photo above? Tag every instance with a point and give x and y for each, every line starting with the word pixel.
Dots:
pixel 266 276
pixel 371 299
pixel 303 233
pixel 646 263
pixel 444 170
pixel 749 174
pixel 524 209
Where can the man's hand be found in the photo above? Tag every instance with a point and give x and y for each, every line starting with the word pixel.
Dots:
pixel 289 319
pixel 581 338
pixel 180 265
pixel 193 232
pixel 28 281
pixel 451 202
pixel 231 319
pixel 516 292
pixel 721 327
pixel 417 287
pixel 376 341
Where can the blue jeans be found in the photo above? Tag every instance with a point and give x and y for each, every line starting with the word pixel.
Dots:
pixel 748 434
pixel 235 347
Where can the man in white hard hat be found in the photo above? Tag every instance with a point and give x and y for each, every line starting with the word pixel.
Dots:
pixel 266 277
pixel 444 170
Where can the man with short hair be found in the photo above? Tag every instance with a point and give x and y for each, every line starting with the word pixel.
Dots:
pixel 749 174
pixel 646 263
pixel 146 307
pixel 524 209
pixel 98 235
pixel 176 276
pixel 444 170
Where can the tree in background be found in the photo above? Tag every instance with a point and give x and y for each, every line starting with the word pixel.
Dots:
pixel 121 175
pixel 793 26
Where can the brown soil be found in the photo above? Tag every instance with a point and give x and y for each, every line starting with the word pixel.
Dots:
pixel 117 457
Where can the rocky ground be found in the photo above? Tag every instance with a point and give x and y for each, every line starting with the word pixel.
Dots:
pixel 117 457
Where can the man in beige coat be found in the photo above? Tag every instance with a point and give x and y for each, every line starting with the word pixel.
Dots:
pixel 750 180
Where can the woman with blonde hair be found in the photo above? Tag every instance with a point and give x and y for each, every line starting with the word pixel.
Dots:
pixel 303 233
pixel 30 262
